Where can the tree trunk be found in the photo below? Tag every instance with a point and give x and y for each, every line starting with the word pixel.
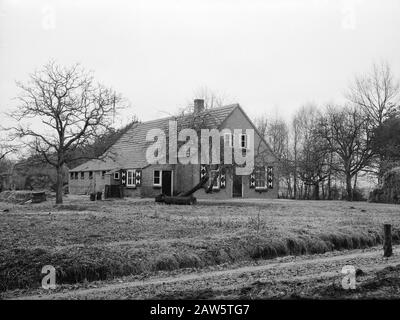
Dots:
pixel 349 188
pixel 59 185
pixel 380 170
pixel 354 186
pixel 316 191
pixel 289 189
pixel 295 170
pixel 329 187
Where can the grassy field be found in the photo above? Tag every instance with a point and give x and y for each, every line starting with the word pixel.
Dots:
pixel 88 241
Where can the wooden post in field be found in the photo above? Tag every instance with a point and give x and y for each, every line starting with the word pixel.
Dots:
pixel 387 244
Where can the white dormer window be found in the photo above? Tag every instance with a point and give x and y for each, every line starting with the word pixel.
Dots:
pixel 228 142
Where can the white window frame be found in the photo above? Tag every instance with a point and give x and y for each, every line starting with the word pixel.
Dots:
pixel 160 178
pixel 245 141
pixel 133 172
pixel 265 186
pixel 228 138
pixel 116 175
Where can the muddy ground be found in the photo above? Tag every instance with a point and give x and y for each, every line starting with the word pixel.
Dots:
pixel 306 277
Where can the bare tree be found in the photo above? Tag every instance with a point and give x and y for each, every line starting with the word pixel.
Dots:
pixel 376 93
pixel 262 125
pixel 72 111
pixel 295 136
pixel 301 126
pixel 6 149
pixel 313 164
pixel 277 136
pixel 347 133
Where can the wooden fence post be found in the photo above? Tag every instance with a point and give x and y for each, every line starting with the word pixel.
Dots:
pixel 387 244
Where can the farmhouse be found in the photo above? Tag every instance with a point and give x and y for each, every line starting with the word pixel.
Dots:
pixel 124 168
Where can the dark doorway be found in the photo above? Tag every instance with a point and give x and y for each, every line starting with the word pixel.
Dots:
pixel 114 191
pixel 167 183
pixel 237 186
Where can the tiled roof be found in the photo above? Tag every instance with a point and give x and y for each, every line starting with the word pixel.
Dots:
pixel 130 150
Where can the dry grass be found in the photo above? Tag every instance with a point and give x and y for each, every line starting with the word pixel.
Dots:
pixel 88 241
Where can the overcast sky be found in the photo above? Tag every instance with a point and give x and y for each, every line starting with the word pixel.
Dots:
pixel 269 56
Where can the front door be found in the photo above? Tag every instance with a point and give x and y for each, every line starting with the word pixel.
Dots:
pixel 167 183
pixel 237 186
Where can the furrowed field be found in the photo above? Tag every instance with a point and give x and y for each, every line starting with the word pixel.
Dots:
pixel 87 241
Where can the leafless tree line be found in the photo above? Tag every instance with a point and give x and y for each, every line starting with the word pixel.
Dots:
pixel 321 148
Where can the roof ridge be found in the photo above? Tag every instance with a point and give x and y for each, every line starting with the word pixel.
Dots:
pixel 232 105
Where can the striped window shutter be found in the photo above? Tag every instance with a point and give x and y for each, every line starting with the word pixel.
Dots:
pixel 138 177
pixel 123 177
pixel 203 171
pixel 266 177
pixel 270 177
pixel 252 180
pixel 223 179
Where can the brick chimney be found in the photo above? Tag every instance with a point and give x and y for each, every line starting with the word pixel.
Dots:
pixel 198 105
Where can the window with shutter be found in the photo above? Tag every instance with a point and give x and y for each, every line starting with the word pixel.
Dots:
pixel 138 177
pixel 270 177
pixel 203 171
pixel 260 176
pixel 130 178
pixel 252 180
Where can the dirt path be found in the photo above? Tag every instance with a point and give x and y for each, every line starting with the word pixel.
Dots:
pixel 372 260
